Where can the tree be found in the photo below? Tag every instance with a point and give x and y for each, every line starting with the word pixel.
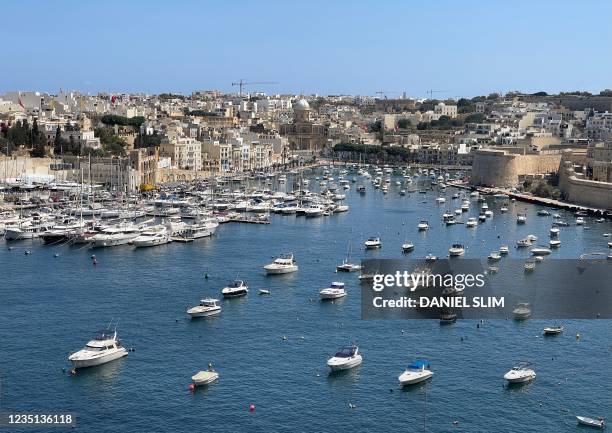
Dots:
pixel 493 96
pixel 539 94
pixel 404 123
pixel 606 92
pixel 475 118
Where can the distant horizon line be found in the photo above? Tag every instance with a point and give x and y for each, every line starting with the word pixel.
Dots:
pixel 311 95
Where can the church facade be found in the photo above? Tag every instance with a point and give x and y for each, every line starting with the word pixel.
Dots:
pixel 304 133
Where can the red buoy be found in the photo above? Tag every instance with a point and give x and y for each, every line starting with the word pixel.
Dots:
pixel 252 408
pixel 191 387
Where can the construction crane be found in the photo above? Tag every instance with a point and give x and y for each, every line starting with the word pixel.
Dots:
pixel 431 92
pixel 383 93
pixel 243 83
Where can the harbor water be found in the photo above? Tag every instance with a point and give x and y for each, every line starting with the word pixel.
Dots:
pixel 271 351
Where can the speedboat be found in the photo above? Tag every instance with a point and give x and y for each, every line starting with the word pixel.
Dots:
pixel 579 221
pixel 334 291
pixel 554 232
pixel 520 373
pixel 522 311
pixel 204 377
pixel 345 358
pixel 543 212
pixel 494 256
pixel 521 218
pixel 554 243
pixel 423 225
pixel 471 222
pixel 503 209
pixel 417 371
pixel 553 330
pixel 591 422
pixel 373 243
pixel 206 307
pixel 407 247
pixel 105 347
pixel 504 249
pixel 456 250
pixel 284 264
pixel 235 289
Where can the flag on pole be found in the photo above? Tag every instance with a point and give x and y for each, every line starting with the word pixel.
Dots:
pixel 20 103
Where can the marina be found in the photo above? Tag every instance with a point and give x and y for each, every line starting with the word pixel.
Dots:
pixel 151 289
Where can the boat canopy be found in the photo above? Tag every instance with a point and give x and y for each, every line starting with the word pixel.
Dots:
pixel 337 285
pixel 419 364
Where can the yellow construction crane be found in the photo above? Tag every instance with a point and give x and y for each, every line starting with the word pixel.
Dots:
pixel 243 83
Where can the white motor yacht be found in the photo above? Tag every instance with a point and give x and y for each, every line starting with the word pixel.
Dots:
pixel 495 256
pixel 522 311
pixel 471 222
pixel 520 373
pixel 522 243
pixel 430 258
pixel 554 243
pixel 105 347
pixel 115 235
pixel 521 218
pixel 407 247
pixel 456 250
pixel 284 264
pixel 334 291
pixel 345 358
pixel 417 371
pixel 423 225
pixel 152 237
pixel 580 221
pixel 504 249
pixel 201 229
pixel 553 330
pixel 206 307
pixel 235 289
pixel 554 232
pixel 372 243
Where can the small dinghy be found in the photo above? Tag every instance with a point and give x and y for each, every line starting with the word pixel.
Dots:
pixel 203 378
pixel 597 423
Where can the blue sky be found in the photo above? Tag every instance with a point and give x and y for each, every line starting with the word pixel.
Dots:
pixel 329 47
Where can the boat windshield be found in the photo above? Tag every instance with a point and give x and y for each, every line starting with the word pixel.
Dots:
pixel 346 352
pixel 419 364
pixel 337 285
pixel 236 284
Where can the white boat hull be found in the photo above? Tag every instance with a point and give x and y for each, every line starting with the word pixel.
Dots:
pixel 347 364
pixel 92 362
pixel 280 270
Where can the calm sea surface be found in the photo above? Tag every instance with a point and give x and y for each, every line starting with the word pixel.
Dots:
pixel 52 306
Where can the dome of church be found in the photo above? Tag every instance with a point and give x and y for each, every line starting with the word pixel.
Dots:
pixel 302 104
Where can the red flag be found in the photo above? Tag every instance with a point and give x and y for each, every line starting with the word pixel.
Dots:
pixel 113 99
pixel 19 102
